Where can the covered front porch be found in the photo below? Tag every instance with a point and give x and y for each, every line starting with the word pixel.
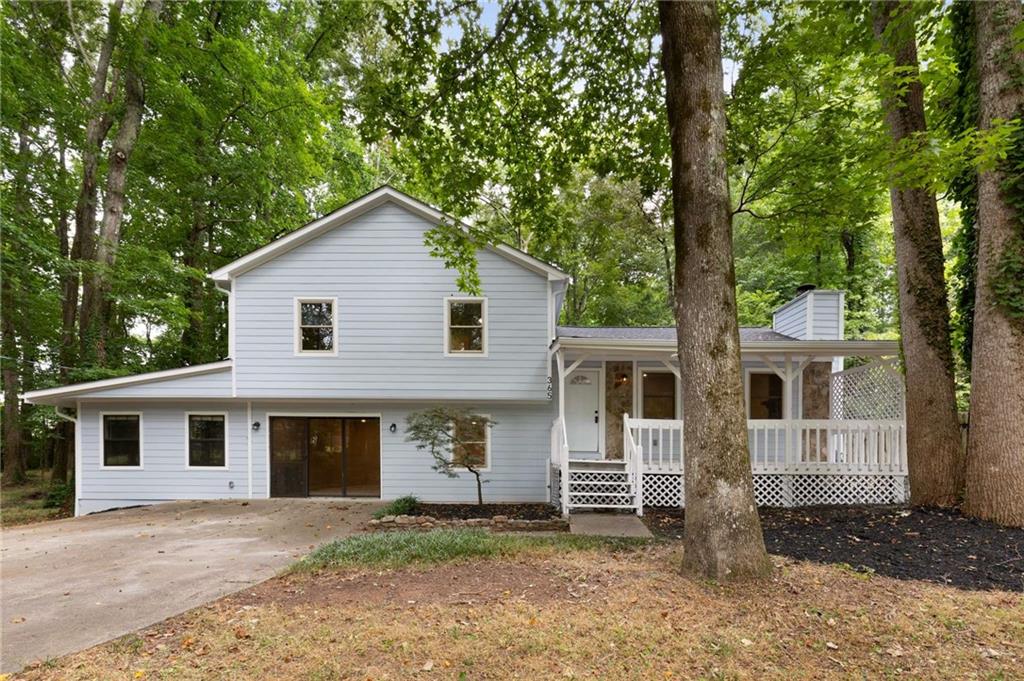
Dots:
pixel 818 434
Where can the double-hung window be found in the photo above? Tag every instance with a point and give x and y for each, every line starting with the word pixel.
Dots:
pixel 122 440
pixel 465 326
pixel 207 440
pixel 472 446
pixel 316 326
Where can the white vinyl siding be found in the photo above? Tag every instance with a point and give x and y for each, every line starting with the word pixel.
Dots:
pixel 165 474
pixel 390 330
pixel 518 455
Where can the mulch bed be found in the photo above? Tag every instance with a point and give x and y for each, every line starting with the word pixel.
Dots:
pixel 926 544
pixel 468 511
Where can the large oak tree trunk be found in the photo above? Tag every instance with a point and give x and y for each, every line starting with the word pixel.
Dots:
pixel 64 435
pixel 934 458
pixel 10 363
pixel 995 463
pixel 98 304
pixel 96 130
pixel 723 538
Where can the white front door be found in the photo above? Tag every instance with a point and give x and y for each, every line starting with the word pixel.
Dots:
pixel 582 410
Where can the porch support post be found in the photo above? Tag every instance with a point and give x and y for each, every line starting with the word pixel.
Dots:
pixel 787 410
pixel 560 363
pixel 563 462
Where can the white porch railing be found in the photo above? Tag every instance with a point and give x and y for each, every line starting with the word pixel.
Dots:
pixel 560 456
pixel 633 454
pixel 821 446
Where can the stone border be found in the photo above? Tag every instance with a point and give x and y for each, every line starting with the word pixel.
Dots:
pixel 499 523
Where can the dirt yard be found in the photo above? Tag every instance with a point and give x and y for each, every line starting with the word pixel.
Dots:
pixel 27 503
pixel 584 613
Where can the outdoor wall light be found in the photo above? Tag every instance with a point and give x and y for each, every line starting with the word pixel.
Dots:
pixel 393 427
pixel 621 379
pixel 255 426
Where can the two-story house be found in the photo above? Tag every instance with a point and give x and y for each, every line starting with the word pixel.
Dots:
pixel 345 326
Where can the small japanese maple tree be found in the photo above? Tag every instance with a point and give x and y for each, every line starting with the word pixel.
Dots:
pixel 455 438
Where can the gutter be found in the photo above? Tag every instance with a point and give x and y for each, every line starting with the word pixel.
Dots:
pixel 850 348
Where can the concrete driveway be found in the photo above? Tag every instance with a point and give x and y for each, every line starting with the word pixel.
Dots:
pixel 70 584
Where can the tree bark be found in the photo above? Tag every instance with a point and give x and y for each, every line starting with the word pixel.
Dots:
pixel 723 538
pixel 934 460
pixel 14 463
pixel 85 208
pixel 13 454
pixel 64 434
pixel 98 304
pixel 995 462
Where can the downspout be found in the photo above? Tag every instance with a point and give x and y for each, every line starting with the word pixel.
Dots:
pixel 78 452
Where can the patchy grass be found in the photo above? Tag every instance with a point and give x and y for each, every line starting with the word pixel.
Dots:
pixel 398 549
pixel 588 613
pixel 27 503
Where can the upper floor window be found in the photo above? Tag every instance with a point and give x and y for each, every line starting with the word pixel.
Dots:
pixel 465 326
pixel 207 440
pixel 316 326
pixel 122 440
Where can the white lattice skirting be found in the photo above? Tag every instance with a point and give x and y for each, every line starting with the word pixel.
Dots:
pixel 772 489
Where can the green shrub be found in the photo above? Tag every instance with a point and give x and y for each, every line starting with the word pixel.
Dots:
pixel 400 506
pixel 57 495
pixel 396 549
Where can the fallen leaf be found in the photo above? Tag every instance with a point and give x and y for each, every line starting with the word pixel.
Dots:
pixel 427 666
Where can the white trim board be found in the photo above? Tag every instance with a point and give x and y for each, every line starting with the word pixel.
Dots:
pixel 76 389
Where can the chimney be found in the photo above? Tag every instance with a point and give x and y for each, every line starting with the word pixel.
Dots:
pixel 813 314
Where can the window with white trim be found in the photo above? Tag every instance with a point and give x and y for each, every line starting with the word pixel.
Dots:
pixel 316 326
pixel 122 440
pixel 207 440
pixel 466 321
pixel 472 443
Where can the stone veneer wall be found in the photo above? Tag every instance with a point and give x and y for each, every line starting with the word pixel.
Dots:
pixel 817 377
pixel 618 400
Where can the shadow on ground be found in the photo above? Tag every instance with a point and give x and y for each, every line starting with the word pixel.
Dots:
pixel 926 544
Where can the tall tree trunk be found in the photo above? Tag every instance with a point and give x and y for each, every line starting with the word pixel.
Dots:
pixel 13 446
pixel 13 459
pixel 934 459
pixel 98 305
pixel 995 462
pixel 96 131
pixel 69 309
pixel 723 537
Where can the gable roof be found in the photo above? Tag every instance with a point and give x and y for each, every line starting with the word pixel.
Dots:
pixel 353 209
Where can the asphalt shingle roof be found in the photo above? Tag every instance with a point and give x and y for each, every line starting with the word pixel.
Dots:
pixel 659 333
